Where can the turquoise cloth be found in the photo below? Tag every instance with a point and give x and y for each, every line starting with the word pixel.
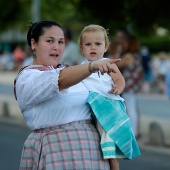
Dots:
pixel 112 116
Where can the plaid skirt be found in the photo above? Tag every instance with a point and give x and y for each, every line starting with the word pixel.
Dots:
pixel 72 146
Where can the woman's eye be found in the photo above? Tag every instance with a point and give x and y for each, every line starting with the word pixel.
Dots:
pixel 50 41
pixel 61 42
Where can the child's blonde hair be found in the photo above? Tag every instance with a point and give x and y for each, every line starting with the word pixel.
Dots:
pixel 93 28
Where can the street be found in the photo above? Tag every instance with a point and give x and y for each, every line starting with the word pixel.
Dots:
pixel 12 138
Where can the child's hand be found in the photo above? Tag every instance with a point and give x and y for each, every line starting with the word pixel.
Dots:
pixel 114 90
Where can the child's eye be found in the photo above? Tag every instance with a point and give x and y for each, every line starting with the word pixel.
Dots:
pixel 87 44
pixel 98 43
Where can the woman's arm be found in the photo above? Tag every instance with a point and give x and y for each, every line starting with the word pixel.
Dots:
pixel 75 74
pixel 119 81
pixel 127 59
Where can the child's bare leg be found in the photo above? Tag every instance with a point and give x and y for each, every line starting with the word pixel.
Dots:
pixel 114 164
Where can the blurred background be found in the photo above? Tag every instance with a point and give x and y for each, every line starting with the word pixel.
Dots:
pixel 147 20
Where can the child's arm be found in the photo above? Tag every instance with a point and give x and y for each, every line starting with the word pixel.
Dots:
pixel 119 81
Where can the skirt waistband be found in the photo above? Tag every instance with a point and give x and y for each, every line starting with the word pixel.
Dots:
pixel 52 128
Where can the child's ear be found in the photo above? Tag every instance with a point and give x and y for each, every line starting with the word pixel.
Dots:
pixel 81 48
pixel 106 48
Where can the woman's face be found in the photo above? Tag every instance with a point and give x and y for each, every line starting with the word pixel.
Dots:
pixel 50 47
pixel 122 41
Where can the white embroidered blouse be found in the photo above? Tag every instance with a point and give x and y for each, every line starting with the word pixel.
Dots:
pixel 43 105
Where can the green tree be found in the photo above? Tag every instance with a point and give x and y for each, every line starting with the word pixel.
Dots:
pixel 17 13
pixel 14 14
pixel 8 14
pixel 142 16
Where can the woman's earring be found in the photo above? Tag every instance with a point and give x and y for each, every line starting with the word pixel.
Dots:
pixel 34 55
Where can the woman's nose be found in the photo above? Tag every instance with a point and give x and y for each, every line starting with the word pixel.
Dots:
pixel 55 47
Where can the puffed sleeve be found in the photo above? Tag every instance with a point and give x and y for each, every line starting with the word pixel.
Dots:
pixel 34 86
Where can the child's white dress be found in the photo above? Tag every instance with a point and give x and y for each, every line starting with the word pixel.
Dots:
pixel 113 123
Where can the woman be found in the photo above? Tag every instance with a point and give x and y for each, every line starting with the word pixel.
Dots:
pixel 132 71
pixel 53 103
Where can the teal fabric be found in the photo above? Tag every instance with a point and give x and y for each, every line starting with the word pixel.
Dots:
pixel 112 116
pixel 113 152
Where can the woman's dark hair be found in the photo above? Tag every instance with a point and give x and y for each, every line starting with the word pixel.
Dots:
pixel 37 29
pixel 134 44
pixel 67 33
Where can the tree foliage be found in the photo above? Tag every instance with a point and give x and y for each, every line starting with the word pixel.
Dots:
pixel 18 13
pixel 8 14
pixel 142 17
pixel 14 14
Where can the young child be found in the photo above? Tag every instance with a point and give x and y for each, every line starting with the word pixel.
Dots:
pixel 113 123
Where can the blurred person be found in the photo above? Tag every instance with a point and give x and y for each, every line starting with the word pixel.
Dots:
pixel 52 100
pixel 28 57
pixel 132 71
pixel 19 56
pixel 113 50
pixel 70 48
pixel 168 84
pixel 161 68
pixel 107 105
pixel 6 61
pixel 147 68
pixel 122 38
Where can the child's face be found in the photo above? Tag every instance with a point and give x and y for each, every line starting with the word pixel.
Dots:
pixel 93 45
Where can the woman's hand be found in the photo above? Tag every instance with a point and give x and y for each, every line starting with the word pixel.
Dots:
pixel 72 75
pixel 104 66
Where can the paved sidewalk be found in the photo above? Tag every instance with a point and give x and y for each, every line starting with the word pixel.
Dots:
pixel 9 102
pixel 7 77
